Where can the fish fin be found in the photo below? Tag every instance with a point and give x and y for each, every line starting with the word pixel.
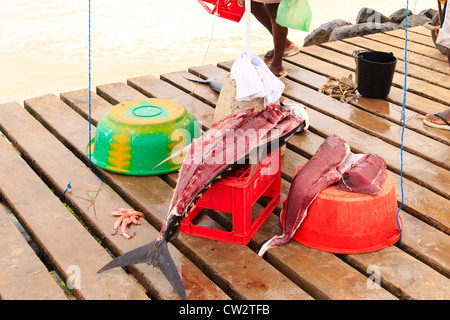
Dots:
pixel 156 254
pixel 173 155
pixel 164 262
pixel 138 255
pixel 211 77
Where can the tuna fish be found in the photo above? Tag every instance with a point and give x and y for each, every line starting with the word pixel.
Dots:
pixel 246 135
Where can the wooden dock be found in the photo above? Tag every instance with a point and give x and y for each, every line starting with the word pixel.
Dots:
pixel 70 231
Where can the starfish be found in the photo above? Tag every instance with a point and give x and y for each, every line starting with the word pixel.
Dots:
pixel 126 217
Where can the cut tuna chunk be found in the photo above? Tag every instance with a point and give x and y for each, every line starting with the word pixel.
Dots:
pixel 366 176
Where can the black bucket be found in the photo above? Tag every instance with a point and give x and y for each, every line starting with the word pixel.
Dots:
pixel 374 73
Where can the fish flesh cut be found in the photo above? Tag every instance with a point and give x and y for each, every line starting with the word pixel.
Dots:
pixel 366 176
pixel 332 159
pixel 245 136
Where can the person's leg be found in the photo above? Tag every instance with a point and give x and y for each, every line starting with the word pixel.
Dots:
pixel 279 35
pixel 261 13
pixel 259 10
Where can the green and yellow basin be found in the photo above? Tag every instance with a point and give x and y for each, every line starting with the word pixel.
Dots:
pixel 135 136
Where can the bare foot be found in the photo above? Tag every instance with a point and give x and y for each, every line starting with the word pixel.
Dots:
pixel 279 72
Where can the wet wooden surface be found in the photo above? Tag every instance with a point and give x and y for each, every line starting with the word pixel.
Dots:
pixel 43 149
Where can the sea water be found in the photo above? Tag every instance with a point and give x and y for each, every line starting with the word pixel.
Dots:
pixel 44 43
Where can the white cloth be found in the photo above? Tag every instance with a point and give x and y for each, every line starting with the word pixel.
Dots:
pixel 255 80
pixel 444 32
pixel 248 84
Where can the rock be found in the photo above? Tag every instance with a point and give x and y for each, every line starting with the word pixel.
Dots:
pixel 428 13
pixel 371 15
pixel 361 29
pixel 414 21
pixel 399 15
pixel 322 33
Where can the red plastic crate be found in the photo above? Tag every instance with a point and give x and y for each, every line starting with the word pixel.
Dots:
pixel 229 9
pixel 237 194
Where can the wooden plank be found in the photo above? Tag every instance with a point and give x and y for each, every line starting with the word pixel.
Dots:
pixel 415 59
pixel 155 208
pixel 430 52
pixel 415 102
pixel 54 228
pixel 421 30
pixel 417 86
pixel 391 260
pixel 23 276
pixel 426 244
pixel 414 37
pixel 392 264
pixel 85 186
pixel 389 110
pixel 419 66
pixel 379 107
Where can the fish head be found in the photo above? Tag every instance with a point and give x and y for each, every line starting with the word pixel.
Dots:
pixel 300 111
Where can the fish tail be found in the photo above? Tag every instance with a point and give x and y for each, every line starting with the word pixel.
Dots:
pixel 211 77
pixel 155 253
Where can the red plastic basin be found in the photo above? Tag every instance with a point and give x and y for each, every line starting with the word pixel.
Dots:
pixel 348 223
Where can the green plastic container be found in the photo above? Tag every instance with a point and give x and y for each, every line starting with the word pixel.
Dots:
pixel 135 136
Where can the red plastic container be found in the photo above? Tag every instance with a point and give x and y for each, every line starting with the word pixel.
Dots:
pixel 237 194
pixel 229 9
pixel 348 223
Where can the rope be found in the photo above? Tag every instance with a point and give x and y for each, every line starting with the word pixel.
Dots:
pixel 67 189
pixel 90 98
pixel 403 123
pixel 206 53
pixel 69 185
pixel 343 88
